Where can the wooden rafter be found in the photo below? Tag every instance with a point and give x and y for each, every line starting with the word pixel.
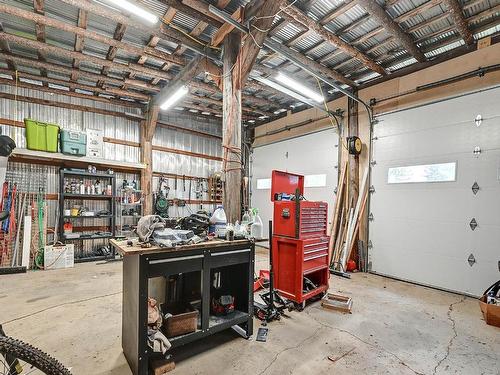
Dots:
pixel 417 10
pixel 5 46
pixel 341 9
pixel 93 89
pixel 460 21
pixel 113 50
pixel 186 8
pixel 185 76
pixel 79 40
pixel 392 28
pixel 114 43
pixel 38 6
pixel 258 33
pixel 293 14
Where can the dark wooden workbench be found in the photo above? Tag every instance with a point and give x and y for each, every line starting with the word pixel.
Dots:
pixel 233 260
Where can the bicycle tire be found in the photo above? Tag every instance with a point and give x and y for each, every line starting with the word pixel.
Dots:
pixel 33 356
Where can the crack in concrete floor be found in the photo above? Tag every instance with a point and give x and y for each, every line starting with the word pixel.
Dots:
pixel 453 337
pixel 289 348
pixel 364 341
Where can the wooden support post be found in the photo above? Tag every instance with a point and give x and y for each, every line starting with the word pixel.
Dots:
pixel 148 128
pixel 231 127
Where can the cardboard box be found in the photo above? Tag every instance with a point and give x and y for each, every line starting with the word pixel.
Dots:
pixel 56 257
pixel 95 143
pixel 491 312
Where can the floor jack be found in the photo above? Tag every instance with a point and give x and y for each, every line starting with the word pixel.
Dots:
pixel 274 305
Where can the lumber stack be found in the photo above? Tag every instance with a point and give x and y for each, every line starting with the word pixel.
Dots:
pixel 346 220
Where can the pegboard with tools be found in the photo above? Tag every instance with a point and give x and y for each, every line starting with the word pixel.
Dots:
pixel 23 235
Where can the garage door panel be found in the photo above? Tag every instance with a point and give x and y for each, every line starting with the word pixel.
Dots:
pixel 447 273
pixel 450 142
pixel 422 237
pixel 444 204
pixel 458 110
pixel 427 224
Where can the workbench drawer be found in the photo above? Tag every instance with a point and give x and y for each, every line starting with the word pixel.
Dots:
pixel 229 258
pixel 171 266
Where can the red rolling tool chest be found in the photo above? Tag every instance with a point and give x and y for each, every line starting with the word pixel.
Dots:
pixel 300 241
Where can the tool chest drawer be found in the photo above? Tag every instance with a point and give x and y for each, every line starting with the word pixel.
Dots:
pixel 315 254
pixel 300 219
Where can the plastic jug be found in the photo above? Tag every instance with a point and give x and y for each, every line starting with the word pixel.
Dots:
pixel 218 221
pixel 257 228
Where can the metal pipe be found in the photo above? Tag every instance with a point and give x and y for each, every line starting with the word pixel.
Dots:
pixel 278 48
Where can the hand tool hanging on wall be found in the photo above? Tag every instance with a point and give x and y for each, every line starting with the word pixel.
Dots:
pixel 189 195
pixel 184 182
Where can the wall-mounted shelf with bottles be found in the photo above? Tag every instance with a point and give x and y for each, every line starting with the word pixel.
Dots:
pixel 76 189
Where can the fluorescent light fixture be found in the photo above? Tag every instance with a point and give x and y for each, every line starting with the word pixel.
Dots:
pixel 176 96
pixel 300 88
pixel 135 10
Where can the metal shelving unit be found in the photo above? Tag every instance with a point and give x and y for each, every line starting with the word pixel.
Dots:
pixel 128 220
pixel 111 199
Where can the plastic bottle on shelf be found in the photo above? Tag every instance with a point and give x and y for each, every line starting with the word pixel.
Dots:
pixel 98 189
pixel 257 228
pixel 82 187
pixel 92 188
pixel 218 221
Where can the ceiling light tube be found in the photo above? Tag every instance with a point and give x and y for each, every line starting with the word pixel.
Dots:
pixel 174 98
pixel 300 88
pixel 135 10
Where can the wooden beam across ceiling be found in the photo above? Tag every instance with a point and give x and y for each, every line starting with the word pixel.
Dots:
pixel 258 33
pixel 38 6
pixel 460 21
pixel 60 91
pixel 79 40
pixel 187 8
pixel 5 46
pixel 93 89
pixel 391 27
pixel 293 14
pixel 113 50
pixel 114 43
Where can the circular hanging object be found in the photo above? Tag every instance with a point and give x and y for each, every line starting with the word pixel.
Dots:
pixel 354 145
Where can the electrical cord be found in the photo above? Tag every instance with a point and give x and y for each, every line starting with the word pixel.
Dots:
pixel 330 116
pixel 277 13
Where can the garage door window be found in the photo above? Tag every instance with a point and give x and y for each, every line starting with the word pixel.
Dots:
pixel 443 172
pixel 263 183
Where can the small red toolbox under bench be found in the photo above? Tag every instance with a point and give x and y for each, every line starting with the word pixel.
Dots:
pixel 300 241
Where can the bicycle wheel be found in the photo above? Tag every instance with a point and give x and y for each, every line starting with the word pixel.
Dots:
pixel 19 358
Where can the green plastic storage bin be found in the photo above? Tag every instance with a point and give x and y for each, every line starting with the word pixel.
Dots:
pixel 41 136
pixel 73 143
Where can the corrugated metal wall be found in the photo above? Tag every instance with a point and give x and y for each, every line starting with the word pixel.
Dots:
pixel 114 127
pixel 164 162
pixel 119 128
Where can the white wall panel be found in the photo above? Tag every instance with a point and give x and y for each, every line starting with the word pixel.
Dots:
pixel 420 231
pixel 308 155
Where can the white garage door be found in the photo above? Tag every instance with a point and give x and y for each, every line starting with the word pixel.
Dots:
pixel 314 156
pixel 430 185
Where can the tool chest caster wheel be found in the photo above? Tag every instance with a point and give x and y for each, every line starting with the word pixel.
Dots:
pixel 300 306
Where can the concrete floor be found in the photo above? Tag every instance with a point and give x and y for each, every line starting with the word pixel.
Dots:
pixel 394 328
